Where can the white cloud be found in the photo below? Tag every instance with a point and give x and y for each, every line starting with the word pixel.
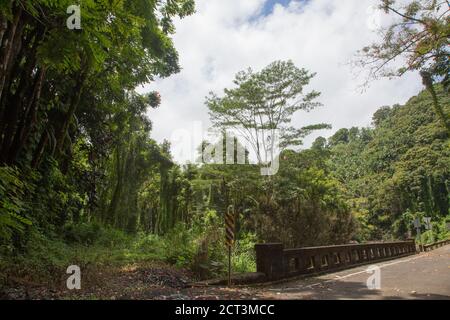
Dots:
pixel 224 37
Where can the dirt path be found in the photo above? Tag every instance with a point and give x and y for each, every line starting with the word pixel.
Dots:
pixel 149 281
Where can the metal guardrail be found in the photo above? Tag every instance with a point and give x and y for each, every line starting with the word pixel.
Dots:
pixel 277 263
pixel 432 246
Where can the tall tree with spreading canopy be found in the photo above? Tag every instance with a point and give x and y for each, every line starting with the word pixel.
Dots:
pixel 420 36
pixel 261 106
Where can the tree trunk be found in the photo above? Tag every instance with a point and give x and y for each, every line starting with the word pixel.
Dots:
pixel 117 191
pixel 12 102
pixel 28 120
pixel 8 45
pixel 74 101
pixel 40 149
pixel 3 28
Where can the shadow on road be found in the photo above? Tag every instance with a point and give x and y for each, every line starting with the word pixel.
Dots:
pixel 346 290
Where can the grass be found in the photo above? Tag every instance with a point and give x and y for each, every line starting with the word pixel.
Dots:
pixel 45 257
pixel 96 248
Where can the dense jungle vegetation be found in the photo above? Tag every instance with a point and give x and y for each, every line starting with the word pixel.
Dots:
pixel 82 182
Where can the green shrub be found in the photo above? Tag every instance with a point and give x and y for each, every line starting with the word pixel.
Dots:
pixel 441 229
pixel 42 258
pixel 112 238
pixel 82 233
pixel 179 246
pixel 12 206
pixel 427 237
pixel 244 259
pixel 150 244
pixel 95 234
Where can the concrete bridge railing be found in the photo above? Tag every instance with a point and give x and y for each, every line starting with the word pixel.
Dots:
pixel 277 263
pixel 429 247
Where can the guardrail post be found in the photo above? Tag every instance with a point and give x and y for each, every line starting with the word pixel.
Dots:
pixel 269 260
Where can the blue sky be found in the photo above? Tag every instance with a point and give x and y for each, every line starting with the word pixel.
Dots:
pixel 268 7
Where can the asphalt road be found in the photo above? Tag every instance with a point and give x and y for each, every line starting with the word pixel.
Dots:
pixel 422 276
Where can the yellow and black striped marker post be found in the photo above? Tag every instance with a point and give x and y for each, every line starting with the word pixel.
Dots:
pixel 230 224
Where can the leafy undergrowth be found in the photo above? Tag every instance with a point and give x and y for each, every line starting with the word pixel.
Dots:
pixel 43 258
pixel 136 281
pixel 113 264
pixel 124 270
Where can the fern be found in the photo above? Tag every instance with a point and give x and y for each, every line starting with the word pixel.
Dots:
pixel 11 206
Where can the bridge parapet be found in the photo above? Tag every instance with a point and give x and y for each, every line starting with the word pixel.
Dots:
pixel 277 263
pixel 429 247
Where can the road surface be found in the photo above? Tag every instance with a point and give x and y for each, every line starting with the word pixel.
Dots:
pixel 422 276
